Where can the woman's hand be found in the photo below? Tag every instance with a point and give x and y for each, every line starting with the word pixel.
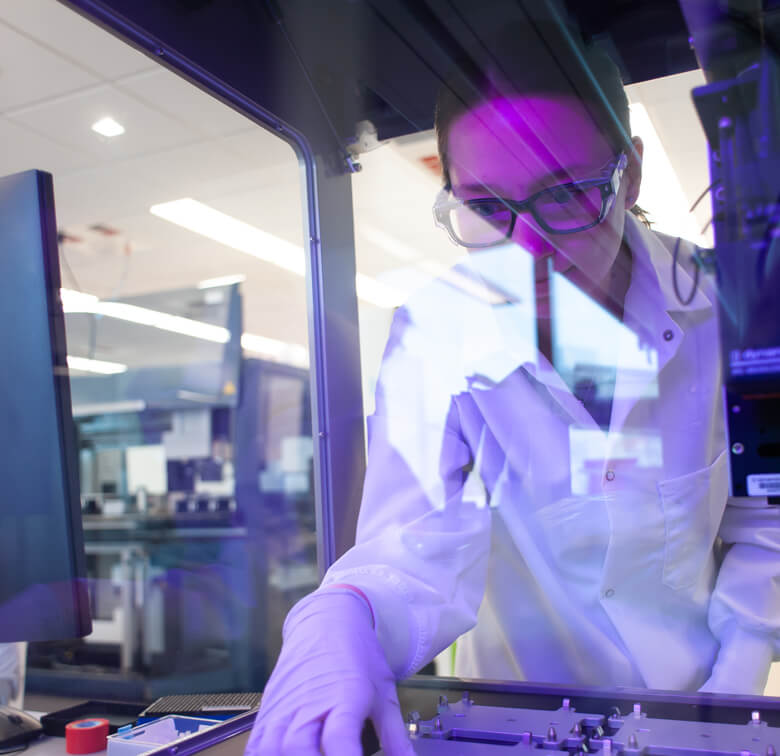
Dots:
pixel 330 677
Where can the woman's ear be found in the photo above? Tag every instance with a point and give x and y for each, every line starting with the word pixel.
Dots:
pixel 634 171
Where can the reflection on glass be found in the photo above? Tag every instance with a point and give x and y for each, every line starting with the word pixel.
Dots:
pixel 191 348
pixel 547 483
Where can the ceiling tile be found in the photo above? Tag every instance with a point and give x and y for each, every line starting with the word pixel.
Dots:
pixel 68 120
pixel 74 37
pixel 261 149
pixel 31 73
pixel 195 170
pixel 183 101
pixel 34 151
pixel 98 195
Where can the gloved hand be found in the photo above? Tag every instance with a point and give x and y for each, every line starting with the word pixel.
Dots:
pixel 331 675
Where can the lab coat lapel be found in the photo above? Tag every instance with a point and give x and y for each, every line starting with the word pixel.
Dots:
pixel 654 312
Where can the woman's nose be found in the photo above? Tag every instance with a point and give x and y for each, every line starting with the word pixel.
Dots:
pixel 531 238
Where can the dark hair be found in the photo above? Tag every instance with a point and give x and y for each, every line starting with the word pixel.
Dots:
pixel 527 59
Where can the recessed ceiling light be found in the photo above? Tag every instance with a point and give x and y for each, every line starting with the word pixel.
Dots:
pixel 108 127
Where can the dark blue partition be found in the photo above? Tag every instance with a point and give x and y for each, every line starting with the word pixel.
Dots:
pixel 42 592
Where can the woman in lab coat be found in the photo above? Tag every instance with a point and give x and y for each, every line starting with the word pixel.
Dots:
pixel 575 527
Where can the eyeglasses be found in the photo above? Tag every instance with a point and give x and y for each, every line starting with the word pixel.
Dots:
pixel 561 209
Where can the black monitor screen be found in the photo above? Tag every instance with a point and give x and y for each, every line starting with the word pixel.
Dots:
pixel 42 590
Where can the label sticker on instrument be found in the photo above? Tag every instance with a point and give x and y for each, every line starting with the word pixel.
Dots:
pixel 763 485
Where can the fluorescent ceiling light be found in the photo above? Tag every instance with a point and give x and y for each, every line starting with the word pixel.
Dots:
pixel 660 192
pixel 78 301
pixel 243 237
pixel 95 366
pixel 165 322
pixel 210 283
pixel 74 301
pixel 108 127
pixel 220 227
pixel 105 408
pixel 273 349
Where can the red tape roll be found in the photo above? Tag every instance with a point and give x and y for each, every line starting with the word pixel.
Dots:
pixel 86 735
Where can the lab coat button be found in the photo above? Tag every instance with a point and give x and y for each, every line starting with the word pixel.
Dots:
pixel 668 334
pixel 609 593
pixel 610 475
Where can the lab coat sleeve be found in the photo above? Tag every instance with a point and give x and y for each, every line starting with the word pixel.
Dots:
pixel 421 550
pixel 744 610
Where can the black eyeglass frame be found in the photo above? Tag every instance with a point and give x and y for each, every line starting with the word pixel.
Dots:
pixel 608 183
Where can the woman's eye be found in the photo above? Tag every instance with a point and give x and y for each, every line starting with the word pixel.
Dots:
pixel 563 194
pixel 486 209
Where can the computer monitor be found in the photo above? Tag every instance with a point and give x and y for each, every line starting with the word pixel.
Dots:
pixel 43 594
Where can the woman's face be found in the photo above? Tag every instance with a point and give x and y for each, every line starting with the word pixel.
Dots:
pixel 515 147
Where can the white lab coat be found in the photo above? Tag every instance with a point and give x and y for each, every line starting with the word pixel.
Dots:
pixel 494 505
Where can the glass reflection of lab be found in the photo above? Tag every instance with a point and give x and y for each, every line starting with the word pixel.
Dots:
pixel 188 452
